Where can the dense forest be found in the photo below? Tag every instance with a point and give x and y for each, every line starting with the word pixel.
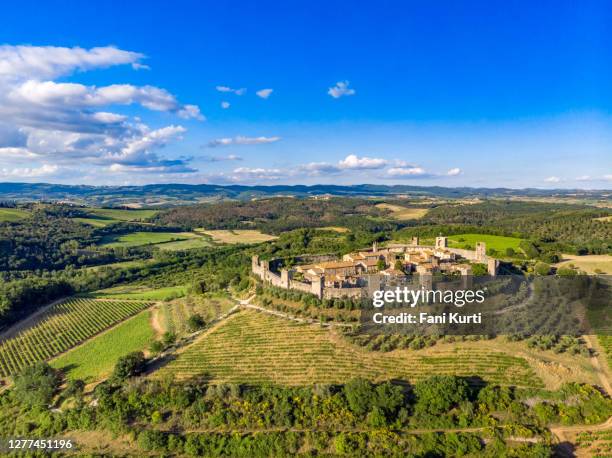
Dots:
pixel 358 418
pixel 280 214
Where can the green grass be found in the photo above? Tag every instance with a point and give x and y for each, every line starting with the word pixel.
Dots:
pixel 606 343
pixel 122 264
pixel 60 328
pixel 12 215
pixel 496 242
pixel 96 358
pixel 122 214
pixel 95 222
pixel 100 217
pixel 140 292
pixel 251 347
pixel 188 244
pixel 146 238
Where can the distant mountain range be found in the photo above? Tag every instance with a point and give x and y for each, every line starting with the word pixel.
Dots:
pixel 173 194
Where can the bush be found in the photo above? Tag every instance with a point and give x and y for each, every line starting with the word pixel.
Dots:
pixel 152 440
pixel 541 268
pixel 168 338
pixel 129 366
pixel 195 322
pixel 440 393
pixel 36 385
pixel 156 347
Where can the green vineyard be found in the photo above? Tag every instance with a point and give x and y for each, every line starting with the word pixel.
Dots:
pixel 606 343
pixel 62 327
pixel 253 347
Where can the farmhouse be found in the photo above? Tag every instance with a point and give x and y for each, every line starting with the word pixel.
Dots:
pixel 325 277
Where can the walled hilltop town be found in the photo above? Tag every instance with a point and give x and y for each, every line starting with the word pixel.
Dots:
pixel 330 277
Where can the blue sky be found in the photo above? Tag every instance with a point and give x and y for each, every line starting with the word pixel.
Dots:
pixel 514 94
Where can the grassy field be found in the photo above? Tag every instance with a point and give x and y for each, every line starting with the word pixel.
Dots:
pixel 602 263
pixel 496 242
pixel 122 264
pixel 252 347
pixel 189 244
pixel 12 215
pixel 173 316
pixel 605 219
pixel 95 222
pixel 96 358
pixel 60 328
pixel 338 229
pixel 147 238
pixel 403 213
pixel 606 344
pixel 100 217
pixel 139 292
pixel 122 214
pixel 238 236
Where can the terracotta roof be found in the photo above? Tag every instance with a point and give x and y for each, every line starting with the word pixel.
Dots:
pixel 336 264
pixel 368 262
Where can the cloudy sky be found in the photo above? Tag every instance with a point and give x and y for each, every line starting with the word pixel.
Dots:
pixel 456 94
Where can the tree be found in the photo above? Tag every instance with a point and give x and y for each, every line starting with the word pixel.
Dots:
pixel 541 268
pixel 510 252
pixel 36 385
pixel 566 272
pixel 359 394
pixel 195 322
pixel 440 393
pixel 479 270
pixel 156 347
pixel 75 387
pixel 169 338
pixel 380 264
pixel 129 365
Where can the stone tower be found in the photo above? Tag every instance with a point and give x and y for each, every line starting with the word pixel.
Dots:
pixel 285 278
pixel 317 286
pixel 415 241
pixel 441 242
pixel 255 263
pixel 374 247
pixel 492 266
pixel 481 251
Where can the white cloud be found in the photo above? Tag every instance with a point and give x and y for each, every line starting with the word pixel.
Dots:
pixel 340 89
pixel 241 140
pixel 354 162
pixel 225 105
pixel 318 169
pixel 69 122
pixel 230 157
pixel 242 174
pixel 44 170
pixel 454 172
pixel 16 153
pixel 163 167
pixel 36 62
pixel 240 91
pixel 552 179
pixel 407 172
pixel 264 93
pixel 607 177
pixel 584 178
pixel 78 96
